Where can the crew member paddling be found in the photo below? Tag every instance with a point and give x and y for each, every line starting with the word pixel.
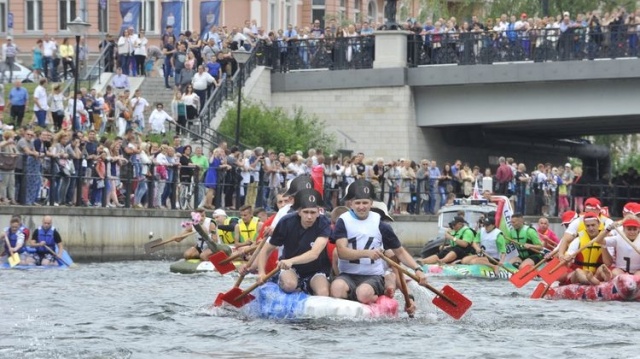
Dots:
pixel 589 265
pixel 46 235
pixel 16 240
pixel 530 246
pixel 627 257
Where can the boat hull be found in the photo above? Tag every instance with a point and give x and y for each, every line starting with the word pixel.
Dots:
pixel 65 257
pixel 625 287
pixel 467 270
pixel 271 302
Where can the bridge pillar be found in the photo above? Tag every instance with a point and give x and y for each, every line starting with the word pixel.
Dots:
pixel 391 49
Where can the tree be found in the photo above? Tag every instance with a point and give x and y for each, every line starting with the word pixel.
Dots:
pixel 276 129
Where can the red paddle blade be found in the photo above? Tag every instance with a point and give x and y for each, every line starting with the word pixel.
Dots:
pixel 538 292
pixel 457 307
pixel 553 271
pixel 219 300
pixel 218 257
pixel 523 276
pixel 232 295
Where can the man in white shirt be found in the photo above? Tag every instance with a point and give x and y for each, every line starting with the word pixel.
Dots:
pixel 200 82
pixel 157 119
pixel 138 104
pixel 40 105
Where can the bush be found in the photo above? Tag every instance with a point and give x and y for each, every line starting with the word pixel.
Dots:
pixel 274 128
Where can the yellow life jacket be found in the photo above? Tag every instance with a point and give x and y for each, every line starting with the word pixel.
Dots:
pixel 226 236
pixel 248 232
pixel 590 258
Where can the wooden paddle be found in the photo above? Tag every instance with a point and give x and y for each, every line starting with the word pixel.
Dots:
pixel 220 298
pixel 405 291
pixel 56 255
pixel 155 245
pixel 238 298
pixel 449 300
pixel 540 291
pixel 522 246
pixel 14 258
pixel 556 268
pixel 222 262
pixel 493 260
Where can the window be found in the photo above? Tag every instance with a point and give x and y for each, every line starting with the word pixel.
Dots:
pixel 34 15
pixel 372 11
pixel 318 11
pixel 289 13
pixel 356 12
pixel 103 17
pixel 186 16
pixel 148 16
pixel 319 2
pixel 273 16
pixel 3 16
pixel 67 13
pixel 342 13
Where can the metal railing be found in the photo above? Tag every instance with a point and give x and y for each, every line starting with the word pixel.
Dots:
pixel 538 45
pixel 90 74
pixel 226 92
pixel 342 53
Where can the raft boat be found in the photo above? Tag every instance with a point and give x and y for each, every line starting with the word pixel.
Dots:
pixel 65 257
pixel 191 266
pixel 625 287
pixel 271 302
pixel 467 270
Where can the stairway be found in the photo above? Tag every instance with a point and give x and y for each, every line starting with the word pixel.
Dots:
pixel 153 91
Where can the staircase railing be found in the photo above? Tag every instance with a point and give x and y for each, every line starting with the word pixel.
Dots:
pixel 91 74
pixel 226 92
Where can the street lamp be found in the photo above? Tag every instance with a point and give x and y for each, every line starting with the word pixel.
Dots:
pixel 241 57
pixel 79 28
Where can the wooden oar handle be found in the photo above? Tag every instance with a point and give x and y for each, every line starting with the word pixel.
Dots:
pixel 253 258
pixel 415 277
pixel 56 255
pixel 163 243
pixel 522 245
pixel 404 290
pixel 493 260
pixel 252 249
pixel 256 284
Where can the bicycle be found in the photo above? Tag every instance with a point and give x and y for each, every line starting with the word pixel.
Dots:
pixel 185 195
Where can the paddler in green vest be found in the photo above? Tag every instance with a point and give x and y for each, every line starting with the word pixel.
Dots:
pixel 530 246
pixel 460 238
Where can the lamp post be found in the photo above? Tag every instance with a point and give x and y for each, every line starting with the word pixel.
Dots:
pixel 241 57
pixel 79 28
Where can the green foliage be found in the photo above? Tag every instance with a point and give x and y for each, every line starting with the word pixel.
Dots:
pixel 275 129
pixel 620 147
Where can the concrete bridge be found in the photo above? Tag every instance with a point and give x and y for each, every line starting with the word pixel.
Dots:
pixel 530 111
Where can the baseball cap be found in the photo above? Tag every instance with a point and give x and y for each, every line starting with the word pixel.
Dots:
pixel 631 222
pixel 219 212
pixel 567 164
pixel 592 202
pixel 568 217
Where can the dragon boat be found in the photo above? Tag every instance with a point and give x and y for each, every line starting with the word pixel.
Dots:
pixel 625 287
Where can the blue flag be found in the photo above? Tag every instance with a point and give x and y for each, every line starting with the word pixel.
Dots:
pixel 172 16
pixel 130 12
pixel 209 15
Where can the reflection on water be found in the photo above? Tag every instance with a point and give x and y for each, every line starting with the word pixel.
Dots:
pixel 140 310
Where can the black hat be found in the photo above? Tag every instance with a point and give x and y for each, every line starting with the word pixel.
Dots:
pixel 307 198
pixel 458 219
pixel 360 189
pixel 297 184
pixel 489 220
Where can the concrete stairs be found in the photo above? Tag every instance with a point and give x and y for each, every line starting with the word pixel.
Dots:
pixel 153 91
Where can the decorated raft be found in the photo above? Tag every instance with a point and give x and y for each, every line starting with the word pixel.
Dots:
pixel 271 302
pixel 625 287
pixel 468 270
pixel 191 266
pixel 65 263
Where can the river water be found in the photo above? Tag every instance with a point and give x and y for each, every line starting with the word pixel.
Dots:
pixel 141 310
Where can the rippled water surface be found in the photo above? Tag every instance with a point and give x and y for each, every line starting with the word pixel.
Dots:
pixel 140 310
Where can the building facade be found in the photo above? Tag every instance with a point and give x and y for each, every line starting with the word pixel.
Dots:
pixel 29 20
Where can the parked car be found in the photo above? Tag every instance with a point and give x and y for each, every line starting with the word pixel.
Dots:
pixel 20 72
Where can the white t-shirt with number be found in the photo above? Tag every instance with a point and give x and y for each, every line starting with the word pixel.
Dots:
pixel 627 258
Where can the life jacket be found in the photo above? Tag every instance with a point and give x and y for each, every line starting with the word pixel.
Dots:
pixel 590 258
pixel 46 237
pixel 227 236
pixel 248 232
pixel 520 236
pixel 460 235
pixel 13 240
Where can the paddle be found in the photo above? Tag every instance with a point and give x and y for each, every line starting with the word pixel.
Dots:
pixel 405 291
pixel 556 268
pixel 540 291
pixel 223 263
pixel 238 298
pixel 14 258
pixel 254 256
pixel 449 300
pixel 493 260
pixel 155 245
pixel 525 274
pixel 56 255
pixel 522 246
